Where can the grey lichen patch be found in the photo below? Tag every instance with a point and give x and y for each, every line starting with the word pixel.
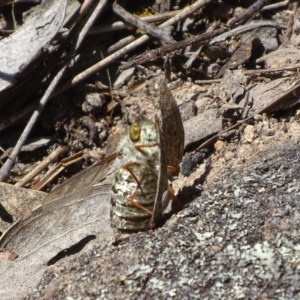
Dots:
pixel 239 240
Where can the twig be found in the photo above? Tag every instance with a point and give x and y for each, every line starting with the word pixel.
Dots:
pixel 9 163
pixel 6 2
pixel 120 25
pixel 276 5
pixel 290 27
pixel 58 169
pixel 41 166
pixel 125 41
pixel 120 44
pixel 281 69
pixel 190 61
pixel 150 55
pixel 13 15
pixel 252 26
pixel 155 32
pixel 110 59
pixel 252 72
pixel 246 14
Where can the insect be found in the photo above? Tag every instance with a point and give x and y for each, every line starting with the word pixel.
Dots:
pixel 141 180
pixel 139 192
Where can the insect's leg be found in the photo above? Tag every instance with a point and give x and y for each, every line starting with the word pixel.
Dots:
pixel 171 169
pixel 128 168
pixel 139 147
pixel 139 206
pixel 173 196
pixel 135 204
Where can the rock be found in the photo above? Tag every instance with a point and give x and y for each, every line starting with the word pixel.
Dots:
pixel 238 240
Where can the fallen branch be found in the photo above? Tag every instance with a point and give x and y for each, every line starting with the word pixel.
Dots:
pixel 156 32
pixel 153 54
pixel 246 14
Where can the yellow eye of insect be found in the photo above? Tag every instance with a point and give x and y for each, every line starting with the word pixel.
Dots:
pixel 134 132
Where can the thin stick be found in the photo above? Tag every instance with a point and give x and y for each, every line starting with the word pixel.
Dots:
pixel 41 166
pixel 155 32
pixel 151 55
pixel 246 14
pixel 58 169
pixel 253 72
pixel 120 25
pixel 276 5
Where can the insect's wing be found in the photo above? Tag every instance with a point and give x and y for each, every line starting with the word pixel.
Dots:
pixel 171 141
pixel 75 187
pixel 172 126
pixel 162 179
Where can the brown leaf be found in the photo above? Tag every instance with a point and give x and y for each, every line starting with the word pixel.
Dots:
pixel 40 236
pixel 16 203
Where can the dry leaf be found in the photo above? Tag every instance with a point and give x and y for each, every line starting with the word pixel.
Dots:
pixel 42 235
